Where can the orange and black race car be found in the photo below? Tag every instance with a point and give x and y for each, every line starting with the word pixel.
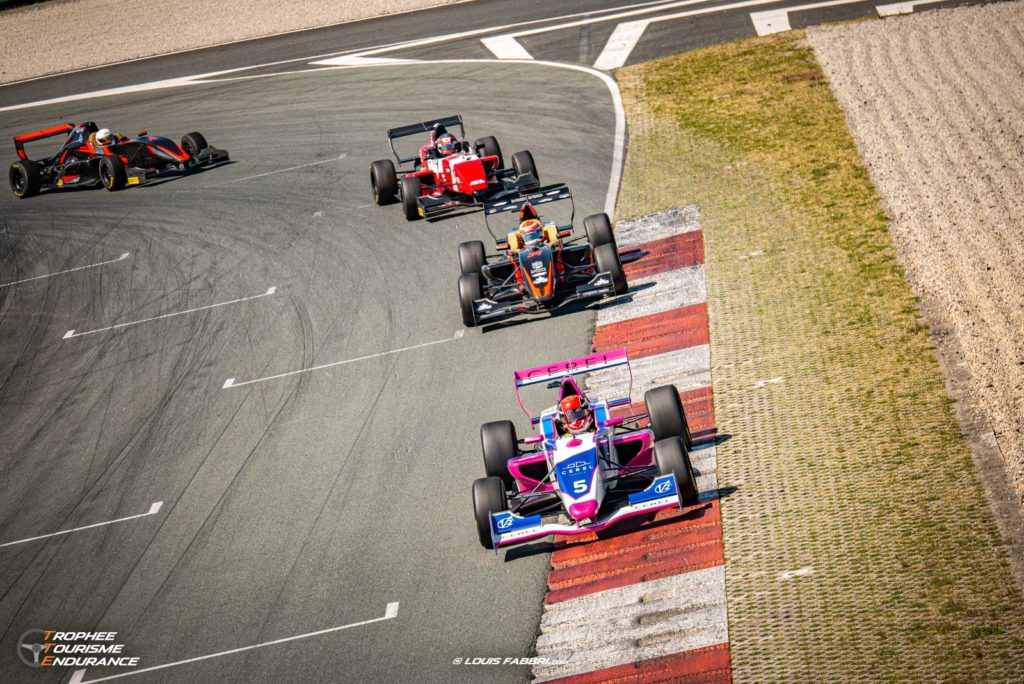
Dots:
pixel 543 267
pixel 112 161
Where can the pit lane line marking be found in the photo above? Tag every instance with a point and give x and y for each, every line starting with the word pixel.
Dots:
pixel 390 613
pixel 777 21
pixel 154 508
pixel 230 382
pixel 71 333
pixel 506 47
pixel 901 7
pixel 70 270
pixel 622 41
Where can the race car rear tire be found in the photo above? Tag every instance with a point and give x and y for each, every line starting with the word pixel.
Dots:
pixel 523 164
pixel 383 182
pixel 488 497
pixel 487 147
pixel 606 258
pixel 470 290
pixel 25 178
pixel 409 193
pixel 599 230
pixel 193 143
pixel 671 457
pixel 472 256
pixel 112 173
pixel 668 419
pixel 498 443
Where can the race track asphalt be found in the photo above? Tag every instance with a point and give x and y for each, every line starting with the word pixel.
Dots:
pixel 291 505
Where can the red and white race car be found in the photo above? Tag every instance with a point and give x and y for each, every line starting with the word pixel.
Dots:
pixel 448 172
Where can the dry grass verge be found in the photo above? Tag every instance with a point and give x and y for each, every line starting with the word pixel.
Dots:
pixel 847 461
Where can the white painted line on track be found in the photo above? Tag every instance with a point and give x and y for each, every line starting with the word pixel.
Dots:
pixel 390 613
pixel 70 270
pixel 622 41
pixel 506 47
pixel 230 382
pixel 71 333
pixel 901 7
pixel 154 508
pixel 777 21
pixel 271 173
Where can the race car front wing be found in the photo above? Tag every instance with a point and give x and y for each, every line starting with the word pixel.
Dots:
pixel 488 309
pixel 508 528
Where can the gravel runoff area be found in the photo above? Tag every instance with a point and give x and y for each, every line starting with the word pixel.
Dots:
pixel 202 23
pixel 934 101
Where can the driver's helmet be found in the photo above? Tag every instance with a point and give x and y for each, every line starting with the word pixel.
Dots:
pixel 532 232
pixel 574 413
pixel 446 144
pixel 104 136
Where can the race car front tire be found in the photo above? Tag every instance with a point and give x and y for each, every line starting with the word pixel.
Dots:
pixel 25 178
pixel 499 444
pixel 409 193
pixel 599 230
pixel 671 457
pixel 606 258
pixel 193 143
pixel 488 497
pixel 488 147
pixel 470 290
pixel 668 419
pixel 472 256
pixel 522 163
pixel 112 173
pixel 383 181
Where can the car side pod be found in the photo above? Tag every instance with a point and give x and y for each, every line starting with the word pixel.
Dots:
pixel 508 528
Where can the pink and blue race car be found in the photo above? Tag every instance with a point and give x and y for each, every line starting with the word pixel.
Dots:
pixel 571 482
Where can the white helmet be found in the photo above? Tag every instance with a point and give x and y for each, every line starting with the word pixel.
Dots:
pixel 104 136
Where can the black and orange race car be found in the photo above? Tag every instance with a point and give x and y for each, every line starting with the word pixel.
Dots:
pixel 82 161
pixel 543 267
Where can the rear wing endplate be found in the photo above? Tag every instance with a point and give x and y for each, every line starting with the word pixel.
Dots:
pixel 422 127
pixel 20 140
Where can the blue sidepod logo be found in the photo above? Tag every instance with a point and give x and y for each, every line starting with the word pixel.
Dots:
pixel 574 476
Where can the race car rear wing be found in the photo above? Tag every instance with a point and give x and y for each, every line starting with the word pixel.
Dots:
pixel 422 127
pixel 542 195
pixel 20 140
pixel 578 366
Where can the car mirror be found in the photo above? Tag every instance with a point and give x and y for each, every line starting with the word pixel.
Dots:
pixel 614 422
pixel 142 133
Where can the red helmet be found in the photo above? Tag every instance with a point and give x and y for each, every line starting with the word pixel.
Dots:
pixel 446 144
pixel 574 413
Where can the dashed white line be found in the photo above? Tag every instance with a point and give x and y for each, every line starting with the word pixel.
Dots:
pixel 290 168
pixel 70 270
pixel 901 7
pixel 777 21
pixel 620 44
pixel 230 382
pixel 390 613
pixel 154 508
pixel 71 333
pixel 506 47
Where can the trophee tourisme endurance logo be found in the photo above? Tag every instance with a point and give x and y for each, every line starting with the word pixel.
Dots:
pixel 54 648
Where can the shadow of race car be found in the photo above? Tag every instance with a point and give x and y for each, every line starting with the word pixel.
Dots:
pixel 82 161
pixel 539 270
pixel 447 173
pixel 588 478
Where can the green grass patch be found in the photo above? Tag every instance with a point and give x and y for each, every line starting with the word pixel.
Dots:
pixel 854 465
